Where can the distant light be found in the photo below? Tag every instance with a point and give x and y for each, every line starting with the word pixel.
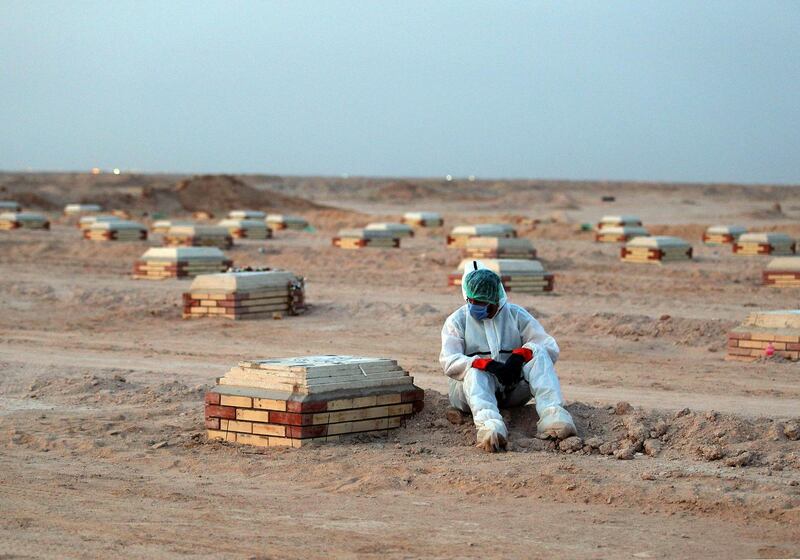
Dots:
pixel 471 178
pixel 95 171
pixel 448 177
pixel 116 171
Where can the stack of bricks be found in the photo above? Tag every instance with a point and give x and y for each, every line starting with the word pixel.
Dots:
pixel 723 235
pixel 180 262
pixel 245 295
pixel 518 276
pixel 245 228
pixel 202 215
pixel 423 219
pixel 162 226
pixel 783 272
pixel 619 234
pixel 119 230
pixel 198 236
pixel 247 215
pixel 459 236
pixel 26 220
pixel 399 230
pixel 619 221
pixel 292 402
pixel 499 248
pixel 766 334
pixel 81 209
pixel 659 249
pixel 86 222
pixel 10 206
pixel 281 221
pixel 362 238
pixel 750 244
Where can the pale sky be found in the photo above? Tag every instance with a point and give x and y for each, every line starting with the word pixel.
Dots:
pixel 665 91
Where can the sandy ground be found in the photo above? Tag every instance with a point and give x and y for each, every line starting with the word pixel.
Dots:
pixel 102 448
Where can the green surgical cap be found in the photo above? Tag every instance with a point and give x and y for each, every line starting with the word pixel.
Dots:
pixel 483 285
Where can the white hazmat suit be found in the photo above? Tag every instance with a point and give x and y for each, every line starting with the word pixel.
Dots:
pixel 465 339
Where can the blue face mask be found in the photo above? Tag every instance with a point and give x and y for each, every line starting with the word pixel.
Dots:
pixel 478 312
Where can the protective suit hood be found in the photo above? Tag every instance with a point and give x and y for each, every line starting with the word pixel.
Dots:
pixel 472 267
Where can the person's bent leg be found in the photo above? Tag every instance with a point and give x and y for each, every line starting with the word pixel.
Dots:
pixel 479 390
pixel 554 420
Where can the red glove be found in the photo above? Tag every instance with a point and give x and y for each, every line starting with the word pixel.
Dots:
pixel 526 353
pixel 481 363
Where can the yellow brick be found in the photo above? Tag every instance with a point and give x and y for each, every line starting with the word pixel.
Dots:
pixel 395 422
pixel 280 442
pixel 219 434
pixel 400 409
pixel 233 400
pixel 365 401
pixel 269 404
pixel 388 399
pixel 343 428
pixel 320 418
pixel 786 338
pixel 250 439
pixel 762 336
pixel 215 434
pixel 252 415
pixel 236 426
pixel 340 404
pixel 358 414
pixel 376 424
pixel 269 429
pixel 751 344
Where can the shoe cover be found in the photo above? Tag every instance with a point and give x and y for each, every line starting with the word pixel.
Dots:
pixel 492 436
pixel 555 422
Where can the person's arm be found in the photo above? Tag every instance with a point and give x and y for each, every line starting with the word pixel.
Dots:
pixel 534 337
pixel 454 362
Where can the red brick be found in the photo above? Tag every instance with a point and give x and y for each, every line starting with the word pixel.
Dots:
pixel 212 398
pixel 306 431
pixel 297 406
pixel 213 410
pixel 793 346
pixel 290 418
pixel 733 343
pixel 212 423
pixel 418 406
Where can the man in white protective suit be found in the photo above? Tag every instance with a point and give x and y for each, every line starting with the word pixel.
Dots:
pixel 495 352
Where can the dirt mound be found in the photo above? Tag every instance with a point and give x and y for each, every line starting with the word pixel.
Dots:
pixel 691 332
pixel 32 200
pixel 623 432
pixel 402 191
pixel 203 192
pixel 774 211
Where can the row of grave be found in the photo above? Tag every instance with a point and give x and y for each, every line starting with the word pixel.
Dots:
pixel 258 225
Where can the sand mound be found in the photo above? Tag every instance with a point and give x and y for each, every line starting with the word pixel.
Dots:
pixel 203 192
pixel 402 191
pixel 691 332
pixel 774 211
pixel 623 432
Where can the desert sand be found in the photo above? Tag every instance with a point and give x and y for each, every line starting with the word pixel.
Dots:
pixel 103 450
